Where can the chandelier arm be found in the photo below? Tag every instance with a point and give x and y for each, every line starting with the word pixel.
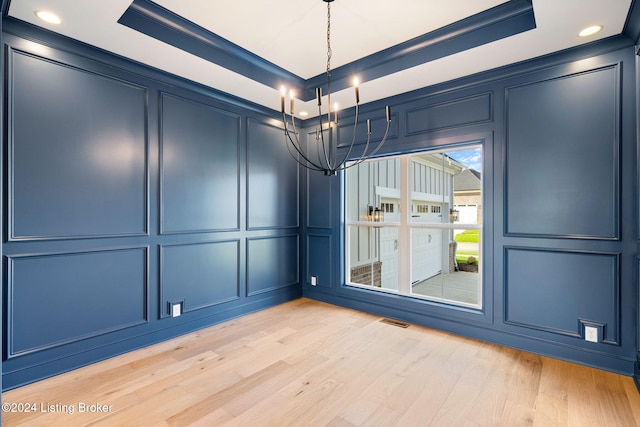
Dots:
pixel 298 147
pixel 333 144
pixel 366 156
pixel 339 165
pixel 293 125
pixel 382 141
pixel 313 166
pixel 353 138
pixel 373 153
pixel 324 148
pixel 361 159
pixel 308 165
pixel 286 128
pixel 319 148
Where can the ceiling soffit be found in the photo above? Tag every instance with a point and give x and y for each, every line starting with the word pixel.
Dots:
pixel 499 22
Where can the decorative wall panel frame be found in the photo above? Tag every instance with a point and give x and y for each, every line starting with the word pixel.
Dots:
pixel 104 152
pixel 378 126
pixel 614 168
pixel 612 330
pixel 187 305
pixel 257 269
pixel 164 158
pixel 477 109
pixel 12 260
pixel 272 190
pixel 320 247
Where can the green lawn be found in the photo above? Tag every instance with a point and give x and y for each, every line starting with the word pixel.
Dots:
pixel 468 236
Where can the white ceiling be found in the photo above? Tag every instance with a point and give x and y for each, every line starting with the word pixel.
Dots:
pixel 292 34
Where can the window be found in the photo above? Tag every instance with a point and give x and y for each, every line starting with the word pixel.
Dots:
pixel 433 251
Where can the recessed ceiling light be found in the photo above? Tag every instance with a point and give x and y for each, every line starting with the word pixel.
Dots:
pixel 48 16
pixel 589 31
pixel 303 114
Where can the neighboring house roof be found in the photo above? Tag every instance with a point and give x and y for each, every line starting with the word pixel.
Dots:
pixel 467 180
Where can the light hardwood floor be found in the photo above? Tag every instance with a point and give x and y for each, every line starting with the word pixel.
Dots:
pixel 312 364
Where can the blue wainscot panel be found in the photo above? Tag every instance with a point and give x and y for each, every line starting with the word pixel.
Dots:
pixel 60 298
pixel 555 291
pixel 70 174
pixel 378 123
pixel 319 259
pixel 563 157
pixel 272 263
pixel 200 167
pixel 272 181
pixel 467 111
pixel 199 275
pixel 319 207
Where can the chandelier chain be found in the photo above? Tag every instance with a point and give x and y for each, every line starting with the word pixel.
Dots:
pixel 329 52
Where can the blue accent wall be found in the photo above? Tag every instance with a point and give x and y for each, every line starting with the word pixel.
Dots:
pixel 560 204
pixel 127 191
pixel 271 173
pixel 61 157
pixel 637 99
pixel 571 285
pixel 568 127
pixel 61 298
pixel 3 203
pixel 199 275
pixel 199 167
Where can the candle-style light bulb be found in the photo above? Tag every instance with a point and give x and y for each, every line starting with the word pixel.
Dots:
pixel 291 105
pixel 283 91
pixel 355 85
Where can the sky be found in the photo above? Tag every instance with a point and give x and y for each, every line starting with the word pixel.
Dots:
pixel 471 158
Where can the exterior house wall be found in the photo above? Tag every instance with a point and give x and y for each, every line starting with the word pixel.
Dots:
pixel 376 183
pixel 469 199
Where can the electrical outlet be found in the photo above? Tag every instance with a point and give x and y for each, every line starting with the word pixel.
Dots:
pixel 314 280
pixel 176 309
pixel 591 333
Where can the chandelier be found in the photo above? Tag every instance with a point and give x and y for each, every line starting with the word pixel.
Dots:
pixel 328 159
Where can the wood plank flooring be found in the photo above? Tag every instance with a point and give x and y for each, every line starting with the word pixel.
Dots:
pixel 305 363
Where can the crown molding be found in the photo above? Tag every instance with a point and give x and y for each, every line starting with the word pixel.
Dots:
pixel 505 20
